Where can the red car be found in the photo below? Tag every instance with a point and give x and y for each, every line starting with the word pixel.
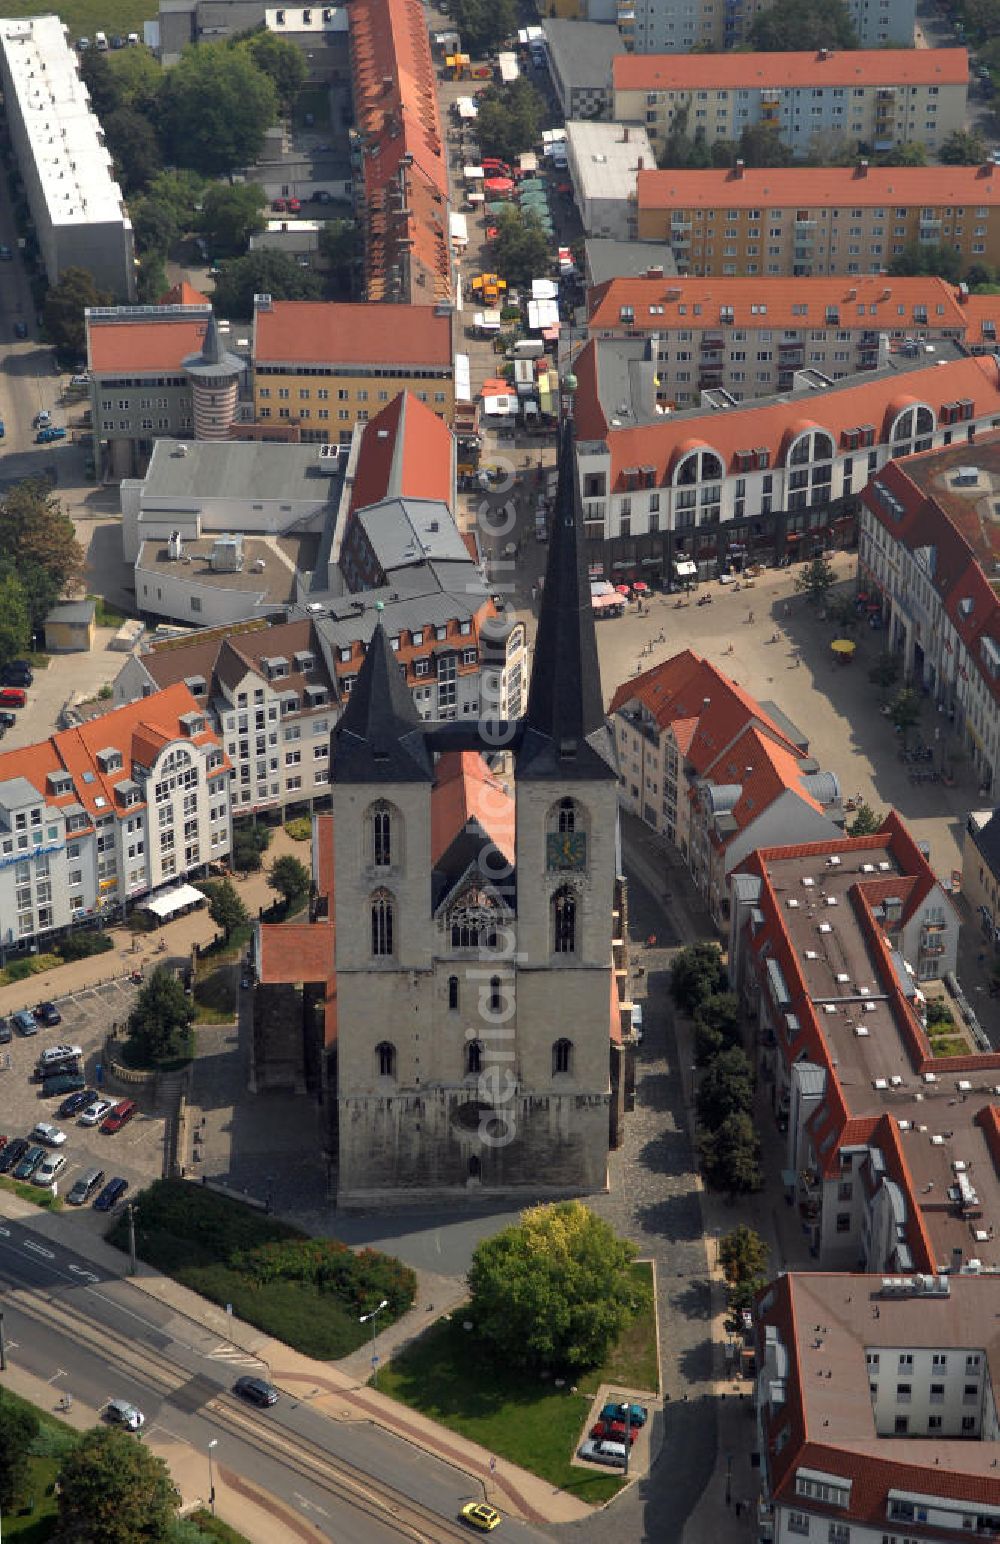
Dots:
pixel 294 205
pixel 613 1431
pixel 119 1117
pixel 497 168
pixel 280 205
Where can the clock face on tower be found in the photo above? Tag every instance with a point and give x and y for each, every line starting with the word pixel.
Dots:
pixel 566 850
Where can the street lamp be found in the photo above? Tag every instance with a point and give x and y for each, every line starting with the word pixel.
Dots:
pixel 365 1317
pixel 211 1475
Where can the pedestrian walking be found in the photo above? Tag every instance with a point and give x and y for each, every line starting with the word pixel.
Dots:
pixel 786 610
pixel 750 618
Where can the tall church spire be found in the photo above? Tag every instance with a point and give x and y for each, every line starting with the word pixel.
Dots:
pixel 566 734
pixel 380 737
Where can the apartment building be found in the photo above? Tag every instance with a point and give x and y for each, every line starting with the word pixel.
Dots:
pixel 879 97
pixel 876 1408
pixel 727 483
pixel 677 26
pixel 326 366
pixel 77 208
pixel 716 772
pixel 749 336
pixel 800 221
pixel 604 160
pixel 400 169
pixel 580 57
pixel 96 816
pixel 266 694
pixel 928 551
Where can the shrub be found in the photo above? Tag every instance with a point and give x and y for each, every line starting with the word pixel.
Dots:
pixel 80 946
pixel 299 828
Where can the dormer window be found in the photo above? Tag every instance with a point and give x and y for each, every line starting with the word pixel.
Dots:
pixel 196 685
pixel 59 783
pixel 192 724
pixel 344 655
pixel 110 760
pixel 304 661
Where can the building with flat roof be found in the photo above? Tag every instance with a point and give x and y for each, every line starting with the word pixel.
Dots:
pixel 799 221
pixel 715 771
pixel 96 816
pixel 928 557
pixel 605 160
pixel 76 205
pixel 678 26
pixel 327 366
pixel 728 483
pixel 878 98
pixel 580 56
pixel 608 259
pixel 876 1407
pixel 750 336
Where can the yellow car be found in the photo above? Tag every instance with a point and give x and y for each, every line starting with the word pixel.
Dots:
pixel 478 1515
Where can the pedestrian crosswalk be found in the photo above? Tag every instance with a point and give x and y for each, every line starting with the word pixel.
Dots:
pixel 225 1351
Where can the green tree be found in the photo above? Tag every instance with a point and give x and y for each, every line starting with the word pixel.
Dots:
pixel 225 907
pixel 909 153
pixel 521 249
pixel 18 1430
pixel 920 258
pixel 865 823
pixel 102 84
pixel 886 671
pixel 154 225
pixel 232 213
pixel 162 1012
pixel 816 580
pixel 553 1292
pixel 341 246
pixel 65 304
pixel 730 1156
pixel 790 26
pixel 743 1256
pixel 250 842
pixel 15 622
pixel 272 273
pixel 152 281
pixel 963 149
pixel 726 1089
pixel 215 108
pixel 283 63
pixel 761 144
pixel 716 1026
pixel 482 24
pixel 904 711
pixel 133 144
pixel 289 878
pixel 138 76
pixel 38 539
pixel 842 612
pixel 510 119
pixel 113 1490
pixel 697 972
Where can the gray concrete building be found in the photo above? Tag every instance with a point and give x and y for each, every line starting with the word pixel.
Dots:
pixel 605 160
pixel 77 207
pixel 580 55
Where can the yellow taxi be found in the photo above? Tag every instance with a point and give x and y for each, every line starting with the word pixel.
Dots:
pixel 478 1515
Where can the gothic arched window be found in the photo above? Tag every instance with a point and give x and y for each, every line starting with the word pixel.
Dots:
pixel 385 1059
pixel 562 1056
pixel 473 1057
pixel 382 925
pixel 453 993
pixel 381 829
pixel 564 922
pixel 495 995
pixel 567 815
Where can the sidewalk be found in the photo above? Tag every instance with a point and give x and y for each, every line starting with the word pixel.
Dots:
pixel 245 1507
pixel 181 936
pixel 339 1393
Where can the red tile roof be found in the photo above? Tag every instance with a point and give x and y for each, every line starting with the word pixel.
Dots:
pixel 466 791
pixel 872 301
pixel 836 67
pixel 295 952
pixel 143 346
pixel 325 331
pixel 183 294
pixel 689 692
pixel 406 451
pixel 816 187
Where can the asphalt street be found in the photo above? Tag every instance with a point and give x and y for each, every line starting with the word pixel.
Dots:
pixel 96 1337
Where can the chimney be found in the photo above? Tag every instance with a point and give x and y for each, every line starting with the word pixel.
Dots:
pixel 824 53
pixel 639 164
pixel 654 273
pixel 963 294
pixel 625 134
pixel 861 170
pixel 986 170
pixel 956 1258
pixel 739 168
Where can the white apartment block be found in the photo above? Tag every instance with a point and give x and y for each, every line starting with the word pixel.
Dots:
pixel 77 207
pixel 676 26
pixel 880 97
pixel 99 815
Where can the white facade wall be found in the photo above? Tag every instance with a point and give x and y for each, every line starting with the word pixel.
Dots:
pixel 166 590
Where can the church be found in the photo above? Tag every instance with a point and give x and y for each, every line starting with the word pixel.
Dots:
pixel 475 1001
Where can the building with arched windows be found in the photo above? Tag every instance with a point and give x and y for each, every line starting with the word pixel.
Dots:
pixel 477 973
pixel 691 493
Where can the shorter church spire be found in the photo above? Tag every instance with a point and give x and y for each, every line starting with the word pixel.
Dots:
pixel 380 737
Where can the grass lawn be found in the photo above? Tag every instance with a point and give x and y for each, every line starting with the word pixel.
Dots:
pixel 214 1528
pixel 314 100
pixel 32 1524
pixel 191 1233
pixel 38 1195
pixel 516 1415
pixel 215 984
pixel 105 614
pixel 85 17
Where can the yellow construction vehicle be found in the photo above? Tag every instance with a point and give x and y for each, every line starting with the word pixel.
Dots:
pixel 490 287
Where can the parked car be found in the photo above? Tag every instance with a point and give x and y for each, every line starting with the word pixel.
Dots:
pixel 613 1431
pixel 8 720
pixel 481 1516
pixel 42 418
pixel 47 436
pixel 58 1053
pixel 80 380
pixel 20 329
pixel 51 1135
pixel 119 1117
pixel 638 1414
pixel 279 205
pixel 27 1165
pixel 77 1101
pixel 111 1194
pixel 6 255
pixel 55 1085
pixel 121 1413
pixel 48 1014
pixel 610 1453
pixel 13 697
pixel 49 1169
pixel 294 206
pixel 84 1187
pixel 95 1113
pixel 24 1022
pixel 17 672
pixel 6 1033
pixel 12 1153
pixel 257 1391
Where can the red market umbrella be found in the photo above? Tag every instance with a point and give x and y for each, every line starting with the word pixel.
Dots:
pixel 498 185
pixel 622 589
pixel 641 586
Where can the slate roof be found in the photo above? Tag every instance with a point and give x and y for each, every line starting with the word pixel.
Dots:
pixel 379 739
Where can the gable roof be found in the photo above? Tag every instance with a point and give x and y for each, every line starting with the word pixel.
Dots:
pixel 379 738
pixel 466 794
pixel 816 187
pixel 351 332
pixel 407 452
pixel 727 71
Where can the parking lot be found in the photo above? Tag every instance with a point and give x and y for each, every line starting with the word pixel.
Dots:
pixel 136 1151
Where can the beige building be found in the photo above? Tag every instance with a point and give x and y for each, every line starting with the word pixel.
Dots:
pixel 879 97
pixel 800 221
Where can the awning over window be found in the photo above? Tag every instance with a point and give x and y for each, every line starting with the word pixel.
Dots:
pixel 168 902
pixel 685 569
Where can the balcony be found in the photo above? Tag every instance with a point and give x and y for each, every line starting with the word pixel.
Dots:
pixel 711 341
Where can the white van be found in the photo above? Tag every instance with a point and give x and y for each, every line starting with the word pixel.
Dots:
pixel 637 1021
pixel 101 41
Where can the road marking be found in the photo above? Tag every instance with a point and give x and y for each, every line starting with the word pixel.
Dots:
pixel 59 1373
pixel 39 1249
pixel 309 1506
pixel 78 1270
